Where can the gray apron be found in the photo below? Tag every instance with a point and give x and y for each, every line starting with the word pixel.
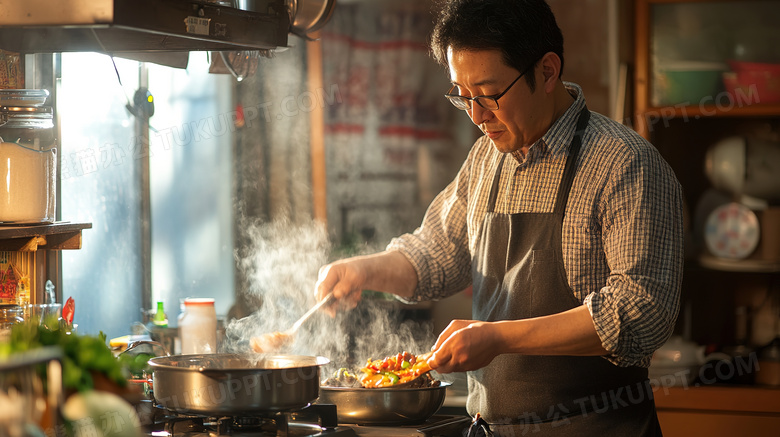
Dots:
pixel 518 273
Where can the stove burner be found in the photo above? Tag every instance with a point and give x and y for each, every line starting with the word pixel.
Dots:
pixel 310 421
pixel 317 420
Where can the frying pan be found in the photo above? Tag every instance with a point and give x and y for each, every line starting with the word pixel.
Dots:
pixel 235 384
pixel 384 406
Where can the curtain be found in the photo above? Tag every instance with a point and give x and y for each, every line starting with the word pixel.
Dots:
pixel 388 132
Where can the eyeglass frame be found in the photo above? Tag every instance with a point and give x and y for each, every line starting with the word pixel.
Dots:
pixel 453 98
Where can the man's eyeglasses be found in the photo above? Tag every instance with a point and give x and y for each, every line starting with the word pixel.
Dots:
pixel 488 102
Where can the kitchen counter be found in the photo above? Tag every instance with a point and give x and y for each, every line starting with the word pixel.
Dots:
pixel 718 410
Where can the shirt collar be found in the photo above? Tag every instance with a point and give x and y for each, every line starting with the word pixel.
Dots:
pixel 561 133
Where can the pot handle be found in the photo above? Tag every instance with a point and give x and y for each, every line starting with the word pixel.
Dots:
pixel 156 344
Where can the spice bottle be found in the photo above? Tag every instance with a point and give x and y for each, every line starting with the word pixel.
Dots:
pixel 160 318
pixel 198 326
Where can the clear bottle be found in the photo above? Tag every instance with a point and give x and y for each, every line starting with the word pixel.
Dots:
pixel 9 316
pixel 198 326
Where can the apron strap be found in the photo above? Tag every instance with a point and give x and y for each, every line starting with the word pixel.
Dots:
pixel 571 163
pixel 494 188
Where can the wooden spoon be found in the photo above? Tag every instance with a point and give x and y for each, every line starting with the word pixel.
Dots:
pixel 274 341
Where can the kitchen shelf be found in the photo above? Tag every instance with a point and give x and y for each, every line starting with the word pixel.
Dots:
pixel 56 236
pixel 700 111
pixel 687 32
pixel 744 265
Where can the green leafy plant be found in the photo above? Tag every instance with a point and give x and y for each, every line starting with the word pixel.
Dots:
pixel 84 356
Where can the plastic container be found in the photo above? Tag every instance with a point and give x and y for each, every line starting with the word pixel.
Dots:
pixel 29 170
pixel 690 83
pixel 760 79
pixel 198 326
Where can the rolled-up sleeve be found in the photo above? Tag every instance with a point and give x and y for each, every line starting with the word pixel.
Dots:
pixel 643 237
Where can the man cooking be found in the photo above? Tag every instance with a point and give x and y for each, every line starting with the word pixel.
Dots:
pixel 567 224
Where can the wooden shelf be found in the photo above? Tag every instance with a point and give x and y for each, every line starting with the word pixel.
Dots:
pixel 56 236
pixel 744 265
pixel 701 111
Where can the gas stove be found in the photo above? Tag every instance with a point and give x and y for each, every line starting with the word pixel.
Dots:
pixel 316 420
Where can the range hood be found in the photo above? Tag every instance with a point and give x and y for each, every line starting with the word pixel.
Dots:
pixel 133 26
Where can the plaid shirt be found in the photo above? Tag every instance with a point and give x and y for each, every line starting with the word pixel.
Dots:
pixel 622 233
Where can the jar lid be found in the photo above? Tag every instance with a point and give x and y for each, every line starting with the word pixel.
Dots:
pixel 23 97
pixel 199 301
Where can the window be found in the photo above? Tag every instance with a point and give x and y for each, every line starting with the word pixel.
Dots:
pixel 190 183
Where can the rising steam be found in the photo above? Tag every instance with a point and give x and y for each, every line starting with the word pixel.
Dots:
pixel 281 262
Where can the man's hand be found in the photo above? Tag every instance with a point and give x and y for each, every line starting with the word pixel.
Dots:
pixel 464 345
pixel 389 272
pixel 469 345
pixel 346 279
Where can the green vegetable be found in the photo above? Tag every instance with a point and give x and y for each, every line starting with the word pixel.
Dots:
pixel 392 377
pixel 82 354
pixel 405 364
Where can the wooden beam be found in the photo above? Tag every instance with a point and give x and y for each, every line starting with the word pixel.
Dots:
pixel 317 140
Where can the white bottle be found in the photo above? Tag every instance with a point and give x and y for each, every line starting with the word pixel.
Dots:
pixel 198 326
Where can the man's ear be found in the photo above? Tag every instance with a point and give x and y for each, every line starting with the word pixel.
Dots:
pixel 551 68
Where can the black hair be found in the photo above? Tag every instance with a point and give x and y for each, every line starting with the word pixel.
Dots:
pixel 522 30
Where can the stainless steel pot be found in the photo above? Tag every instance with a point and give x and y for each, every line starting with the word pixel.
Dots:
pixel 384 406
pixel 235 384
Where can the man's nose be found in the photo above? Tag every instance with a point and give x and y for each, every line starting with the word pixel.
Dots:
pixel 478 114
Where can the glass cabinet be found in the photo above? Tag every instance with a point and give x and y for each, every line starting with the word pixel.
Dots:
pixel 701 58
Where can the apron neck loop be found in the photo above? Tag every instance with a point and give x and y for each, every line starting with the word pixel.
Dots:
pixel 568 172
pixel 571 163
pixel 494 187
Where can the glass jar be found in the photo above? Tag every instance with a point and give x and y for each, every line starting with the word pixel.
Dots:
pixel 9 316
pixel 198 326
pixel 27 149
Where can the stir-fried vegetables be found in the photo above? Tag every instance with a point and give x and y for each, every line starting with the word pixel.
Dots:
pixel 401 368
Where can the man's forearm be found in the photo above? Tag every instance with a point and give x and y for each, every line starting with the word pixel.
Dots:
pixel 390 272
pixel 568 333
